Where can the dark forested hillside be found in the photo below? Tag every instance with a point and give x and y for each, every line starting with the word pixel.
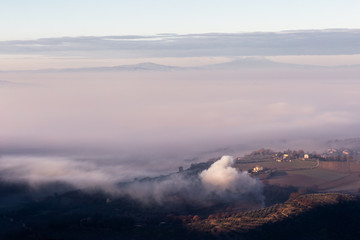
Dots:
pixel 83 215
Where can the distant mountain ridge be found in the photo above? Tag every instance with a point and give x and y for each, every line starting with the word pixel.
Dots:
pixel 146 66
pixel 7 83
pixel 255 63
pixel 238 64
pixel 2 82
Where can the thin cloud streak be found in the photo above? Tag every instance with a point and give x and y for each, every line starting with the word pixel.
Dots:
pixel 314 42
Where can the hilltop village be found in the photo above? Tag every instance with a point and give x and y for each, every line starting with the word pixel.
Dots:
pixel 293 156
pixel 332 154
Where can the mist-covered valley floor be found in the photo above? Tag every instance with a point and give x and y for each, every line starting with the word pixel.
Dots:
pixel 216 199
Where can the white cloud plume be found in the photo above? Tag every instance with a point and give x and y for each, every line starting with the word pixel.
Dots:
pixel 222 177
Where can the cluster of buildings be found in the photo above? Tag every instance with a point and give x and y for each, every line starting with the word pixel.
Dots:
pixel 289 156
pixel 340 154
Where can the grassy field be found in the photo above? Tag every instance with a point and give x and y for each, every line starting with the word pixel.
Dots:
pixel 284 166
pixel 321 174
pixel 327 176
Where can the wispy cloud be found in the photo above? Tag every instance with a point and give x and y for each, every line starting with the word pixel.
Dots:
pixel 316 42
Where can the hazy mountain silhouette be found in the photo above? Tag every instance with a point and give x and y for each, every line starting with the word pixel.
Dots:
pixel 244 63
pixel 146 66
pixel 254 63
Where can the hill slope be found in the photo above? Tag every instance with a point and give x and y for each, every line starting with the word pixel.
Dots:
pixel 312 216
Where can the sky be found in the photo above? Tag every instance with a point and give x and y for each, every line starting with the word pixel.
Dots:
pixel 42 34
pixel 23 19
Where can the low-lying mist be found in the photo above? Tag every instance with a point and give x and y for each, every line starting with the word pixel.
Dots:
pixel 218 183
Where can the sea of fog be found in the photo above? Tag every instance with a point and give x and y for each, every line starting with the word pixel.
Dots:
pixel 99 127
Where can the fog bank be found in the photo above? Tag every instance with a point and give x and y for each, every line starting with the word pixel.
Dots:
pixel 153 122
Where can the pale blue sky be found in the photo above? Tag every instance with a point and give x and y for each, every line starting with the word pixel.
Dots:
pixel 24 19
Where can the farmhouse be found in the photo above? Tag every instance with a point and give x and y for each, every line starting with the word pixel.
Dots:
pixel 257 169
